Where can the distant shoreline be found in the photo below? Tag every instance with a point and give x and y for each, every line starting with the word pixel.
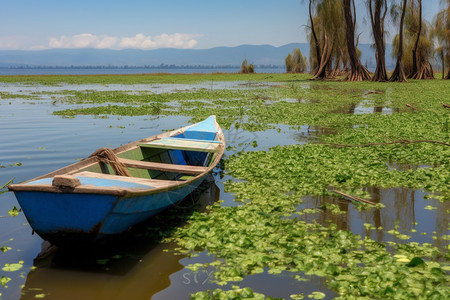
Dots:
pixel 93 70
pixel 162 66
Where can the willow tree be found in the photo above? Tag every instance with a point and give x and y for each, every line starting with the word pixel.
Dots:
pixel 378 11
pixel 340 57
pixel 327 22
pixel 441 31
pixel 296 62
pixel 358 72
pixel 314 41
pixel 399 74
pixel 419 45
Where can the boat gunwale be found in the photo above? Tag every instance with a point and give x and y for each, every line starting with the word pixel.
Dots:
pixel 119 191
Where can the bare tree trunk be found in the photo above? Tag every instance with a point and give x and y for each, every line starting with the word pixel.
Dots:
pixel 313 31
pixel 358 71
pixel 399 73
pixel 425 72
pixel 414 72
pixel 422 68
pixel 324 59
pixel 377 22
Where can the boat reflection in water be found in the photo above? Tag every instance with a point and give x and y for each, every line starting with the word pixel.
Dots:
pixel 132 266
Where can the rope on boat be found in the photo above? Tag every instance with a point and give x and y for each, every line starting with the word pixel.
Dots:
pixel 107 156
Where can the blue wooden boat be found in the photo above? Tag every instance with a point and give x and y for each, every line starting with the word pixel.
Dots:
pixel 115 189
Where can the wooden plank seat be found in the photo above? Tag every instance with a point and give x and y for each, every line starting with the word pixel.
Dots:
pixel 184 144
pixel 156 183
pixel 185 169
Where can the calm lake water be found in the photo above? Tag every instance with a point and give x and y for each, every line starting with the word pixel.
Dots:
pixel 34 142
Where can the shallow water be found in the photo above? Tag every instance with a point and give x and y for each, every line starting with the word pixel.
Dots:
pixel 35 142
pixel 405 212
pixel 157 88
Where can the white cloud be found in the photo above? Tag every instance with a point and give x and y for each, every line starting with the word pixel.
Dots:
pixel 177 40
pixel 84 40
pixel 139 41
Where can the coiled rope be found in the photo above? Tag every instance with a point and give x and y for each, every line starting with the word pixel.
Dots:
pixel 107 156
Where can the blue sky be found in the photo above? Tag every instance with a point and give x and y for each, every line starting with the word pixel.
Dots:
pixel 148 24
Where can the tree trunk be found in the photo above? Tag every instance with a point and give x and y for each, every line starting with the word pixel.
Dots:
pixel 313 31
pixel 377 25
pixel 415 72
pixel 422 68
pixel 357 72
pixel 399 74
pixel 324 59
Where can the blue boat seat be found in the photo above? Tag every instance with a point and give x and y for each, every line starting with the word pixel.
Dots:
pixel 171 143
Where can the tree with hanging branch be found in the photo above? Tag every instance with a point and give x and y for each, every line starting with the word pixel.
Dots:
pixel 326 24
pixel 420 66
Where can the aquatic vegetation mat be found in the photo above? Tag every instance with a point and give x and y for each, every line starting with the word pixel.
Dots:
pixel 268 233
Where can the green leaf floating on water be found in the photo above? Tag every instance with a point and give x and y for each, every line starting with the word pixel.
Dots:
pixel 317 295
pixel 403 236
pixel 4 280
pixel 14 212
pixel 12 267
pixel 429 207
pixel 5 248
pixel 234 294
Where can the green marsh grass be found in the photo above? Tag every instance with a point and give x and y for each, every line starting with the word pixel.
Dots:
pixel 146 78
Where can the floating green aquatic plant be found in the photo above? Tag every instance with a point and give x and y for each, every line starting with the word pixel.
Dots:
pixel 234 294
pixel 265 232
pixel 4 280
pixel 14 212
pixel 13 267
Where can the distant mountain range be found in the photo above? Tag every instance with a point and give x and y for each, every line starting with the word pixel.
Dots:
pixel 259 55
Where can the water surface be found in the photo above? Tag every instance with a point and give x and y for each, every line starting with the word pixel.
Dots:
pixel 34 142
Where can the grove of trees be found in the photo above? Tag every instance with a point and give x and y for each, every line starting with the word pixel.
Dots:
pixel 416 43
pixel 296 62
pixel 247 68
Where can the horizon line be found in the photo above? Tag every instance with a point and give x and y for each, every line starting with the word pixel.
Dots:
pixel 163 48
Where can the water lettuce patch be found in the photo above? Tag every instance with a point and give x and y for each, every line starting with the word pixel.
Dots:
pixel 264 232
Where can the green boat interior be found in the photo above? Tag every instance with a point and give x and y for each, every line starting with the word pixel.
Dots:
pixel 169 158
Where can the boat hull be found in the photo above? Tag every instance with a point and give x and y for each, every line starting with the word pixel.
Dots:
pixel 114 189
pixel 69 219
